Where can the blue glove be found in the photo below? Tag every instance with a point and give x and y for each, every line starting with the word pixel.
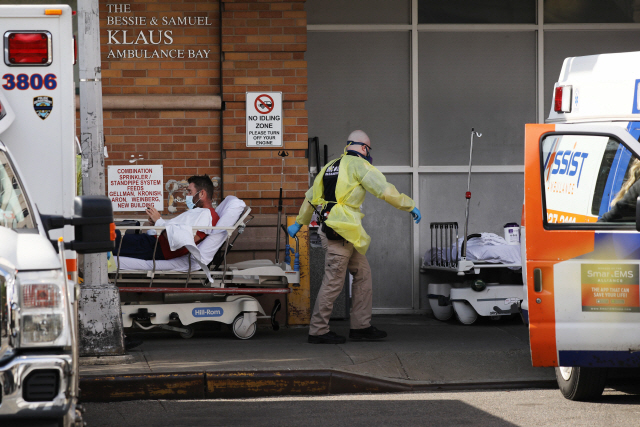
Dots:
pixel 415 213
pixel 293 229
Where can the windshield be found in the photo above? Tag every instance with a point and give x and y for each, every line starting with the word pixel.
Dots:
pixel 14 208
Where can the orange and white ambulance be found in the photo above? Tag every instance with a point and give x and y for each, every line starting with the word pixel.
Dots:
pixel 581 275
pixel 42 222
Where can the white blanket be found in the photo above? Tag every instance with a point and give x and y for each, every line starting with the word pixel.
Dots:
pixel 489 248
pixel 229 211
pixel 180 231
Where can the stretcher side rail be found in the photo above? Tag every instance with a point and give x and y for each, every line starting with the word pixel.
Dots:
pixel 266 276
pixel 470 267
pixel 444 238
pixel 239 225
pixel 229 291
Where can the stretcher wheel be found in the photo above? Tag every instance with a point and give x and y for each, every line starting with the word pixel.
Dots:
pixel 440 300
pixel 237 328
pixel 190 332
pixel 465 313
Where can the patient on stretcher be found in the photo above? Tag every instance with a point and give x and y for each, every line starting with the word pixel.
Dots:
pixel 201 212
pixel 229 212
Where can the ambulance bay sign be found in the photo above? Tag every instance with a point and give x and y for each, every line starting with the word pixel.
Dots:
pixel 264 119
pixel 133 188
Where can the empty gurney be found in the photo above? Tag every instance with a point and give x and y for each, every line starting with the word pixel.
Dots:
pixel 485 250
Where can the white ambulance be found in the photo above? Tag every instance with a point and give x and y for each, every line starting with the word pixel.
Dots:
pixel 42 224
pixel 580 240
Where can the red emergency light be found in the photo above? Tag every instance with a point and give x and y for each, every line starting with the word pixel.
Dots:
pixel 562 99
pixel 31 48
pixel 40 296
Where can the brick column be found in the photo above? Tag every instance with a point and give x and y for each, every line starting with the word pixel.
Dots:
pixel 263 46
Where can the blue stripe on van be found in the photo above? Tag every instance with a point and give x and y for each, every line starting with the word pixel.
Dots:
pixel 634 108
pixel 634 129
pixel 615 246
pixel 599 359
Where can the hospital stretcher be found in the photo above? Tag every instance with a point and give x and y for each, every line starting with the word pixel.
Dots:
pixel 446 250
pixel 175 295
pixel 473 298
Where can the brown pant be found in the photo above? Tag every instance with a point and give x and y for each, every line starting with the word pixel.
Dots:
pixel 340 256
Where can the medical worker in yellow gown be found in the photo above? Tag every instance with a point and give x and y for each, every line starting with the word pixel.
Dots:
pixel 340 189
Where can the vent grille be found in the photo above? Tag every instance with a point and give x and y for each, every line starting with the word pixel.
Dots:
pixel 41 386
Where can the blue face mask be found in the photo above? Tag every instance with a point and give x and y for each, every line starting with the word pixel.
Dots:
pixel 189 201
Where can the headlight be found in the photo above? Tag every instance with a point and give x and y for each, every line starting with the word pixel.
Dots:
pixel 43 312
pixel 38 328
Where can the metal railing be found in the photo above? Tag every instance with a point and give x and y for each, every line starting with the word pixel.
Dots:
pixel 444 244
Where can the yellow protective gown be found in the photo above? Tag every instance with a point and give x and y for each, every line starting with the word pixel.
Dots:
pixel 356 176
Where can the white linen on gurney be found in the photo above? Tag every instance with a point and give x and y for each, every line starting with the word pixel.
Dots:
pixel 489 248
pixel 180 231
pixel 229 211
pixel 192 217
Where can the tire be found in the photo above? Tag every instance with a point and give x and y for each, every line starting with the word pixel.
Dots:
pixel 190 332
pixel 251 331
pixel 581 384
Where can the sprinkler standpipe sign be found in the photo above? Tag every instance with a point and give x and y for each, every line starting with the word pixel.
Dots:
pixel 133 188
pixel 264 119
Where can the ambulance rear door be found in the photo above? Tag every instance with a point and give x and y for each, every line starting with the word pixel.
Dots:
pixel 36 79
pixel 582 273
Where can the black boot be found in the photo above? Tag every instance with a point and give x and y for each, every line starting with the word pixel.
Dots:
pixel 367 334
pixel 328 338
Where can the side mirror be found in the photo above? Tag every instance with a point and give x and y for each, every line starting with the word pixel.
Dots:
pixel 93 224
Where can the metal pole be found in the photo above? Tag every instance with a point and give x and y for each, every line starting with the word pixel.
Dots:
pixel 91 132
pixel 468 195
pixel 282 154
pixel 99 303
pixel 72 310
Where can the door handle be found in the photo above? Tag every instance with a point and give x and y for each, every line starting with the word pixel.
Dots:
pixel 537 280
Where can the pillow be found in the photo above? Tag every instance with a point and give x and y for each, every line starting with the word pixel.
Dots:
pixel 229 212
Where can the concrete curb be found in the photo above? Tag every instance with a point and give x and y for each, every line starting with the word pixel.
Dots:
pixel 109 360
pixel 248 384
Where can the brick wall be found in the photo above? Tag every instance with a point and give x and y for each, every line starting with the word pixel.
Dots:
pixel 185 142
pixel 263 46
pixel 262 49
pixel 161 76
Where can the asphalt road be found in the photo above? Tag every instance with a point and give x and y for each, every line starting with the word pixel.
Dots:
pixel 619 407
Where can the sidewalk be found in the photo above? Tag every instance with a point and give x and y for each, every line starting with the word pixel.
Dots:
pixel 419 351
